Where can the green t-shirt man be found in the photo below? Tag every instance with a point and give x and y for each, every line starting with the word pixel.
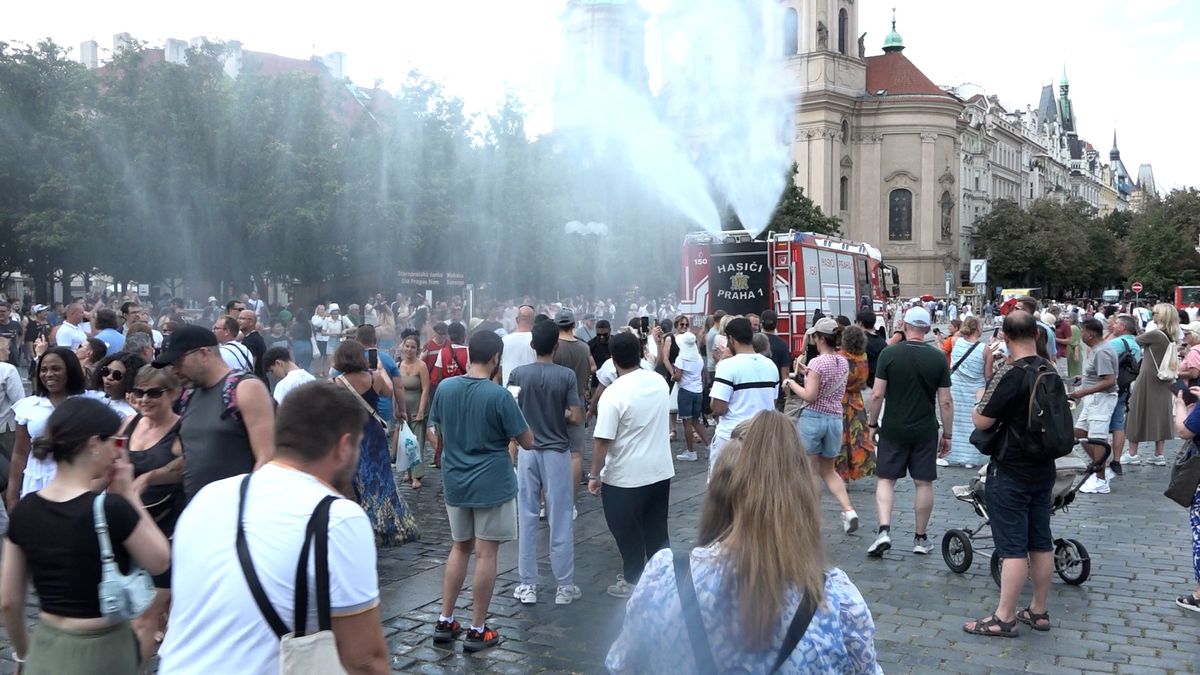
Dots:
pixel 914 372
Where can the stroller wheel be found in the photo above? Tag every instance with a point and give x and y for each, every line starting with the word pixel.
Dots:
pixel 996 563
pixel 957 551
pixel 1071 561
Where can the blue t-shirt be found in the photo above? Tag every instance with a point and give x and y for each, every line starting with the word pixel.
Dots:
pixel 477 418
pixel 112 339
pixel 1126 343
pixel 1193 420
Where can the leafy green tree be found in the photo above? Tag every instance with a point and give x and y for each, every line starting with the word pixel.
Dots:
pixel 1163 243
pixel 797 212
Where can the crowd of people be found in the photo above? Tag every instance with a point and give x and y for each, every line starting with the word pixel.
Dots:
pixel 219 452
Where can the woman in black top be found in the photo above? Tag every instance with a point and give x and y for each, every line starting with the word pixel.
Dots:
pixel 52 537
pixel 157 458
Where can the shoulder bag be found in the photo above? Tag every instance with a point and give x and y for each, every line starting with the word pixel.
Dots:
pixel 962 358
pixel 362 401
pixel 122 596
pixel 1185 476
pixel 698 635
pixel 299 654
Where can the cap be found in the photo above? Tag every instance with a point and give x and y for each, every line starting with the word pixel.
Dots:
pixel 917 316
pixel 1193 328
pixel 183 340
pixel 38 309
pixel 333 307
pixel 564 317
pixel 212 298
pixel 826 326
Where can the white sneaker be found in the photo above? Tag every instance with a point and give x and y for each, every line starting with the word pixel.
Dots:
pixel 1132 460
pixel 1089 485
pixel 567 594
pixel 526 594
pixel 687 456
pixel 942 461
pixel 621 589
pixel 1160 460
pixel 880 546
pixel 921 545
pixel 849 521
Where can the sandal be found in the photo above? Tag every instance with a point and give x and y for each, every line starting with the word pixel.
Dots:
pixel 984 627
pixel 1034 621
pixel 1189 601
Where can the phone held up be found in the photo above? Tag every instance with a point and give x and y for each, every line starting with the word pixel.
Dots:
pixel 373 358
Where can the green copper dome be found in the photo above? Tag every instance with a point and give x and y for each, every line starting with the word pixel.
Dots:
pixel 893 42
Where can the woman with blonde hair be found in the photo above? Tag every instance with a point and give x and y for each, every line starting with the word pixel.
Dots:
pixel 968 362
pixel 758 570
pixel 1150 401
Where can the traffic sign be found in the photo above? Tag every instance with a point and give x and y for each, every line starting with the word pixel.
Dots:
pixel 1137 287
pixel 978 272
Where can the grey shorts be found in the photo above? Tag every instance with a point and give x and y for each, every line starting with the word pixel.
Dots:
pixel 498 523
pixel 577 437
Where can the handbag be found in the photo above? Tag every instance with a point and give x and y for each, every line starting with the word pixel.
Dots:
pixel 122 596
pixel 299 654
pixel 698 636
pixel 1185 476
pixel 371 411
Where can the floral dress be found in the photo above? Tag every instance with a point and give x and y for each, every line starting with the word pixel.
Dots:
pixel 857 458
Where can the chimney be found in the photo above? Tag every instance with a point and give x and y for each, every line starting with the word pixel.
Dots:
pixel 175 51
pixel 335 62
pixel 89 54
pixel 233 58
pixel 122 41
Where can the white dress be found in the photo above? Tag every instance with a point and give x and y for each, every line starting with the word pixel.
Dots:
pixel 32 412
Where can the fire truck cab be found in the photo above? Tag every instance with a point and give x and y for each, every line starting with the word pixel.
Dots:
pixel 793 273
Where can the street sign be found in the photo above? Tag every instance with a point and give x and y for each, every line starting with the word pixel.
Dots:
pixel 978 272
pixel 1137 287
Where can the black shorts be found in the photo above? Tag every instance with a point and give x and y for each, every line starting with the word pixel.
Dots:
pixel 1019 513
pixel 894 460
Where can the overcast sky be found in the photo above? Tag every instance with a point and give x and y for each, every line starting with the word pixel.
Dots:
pixel 1133 66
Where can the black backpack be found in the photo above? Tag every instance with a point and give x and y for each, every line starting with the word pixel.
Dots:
pixel 1128 368
pixel 1051 430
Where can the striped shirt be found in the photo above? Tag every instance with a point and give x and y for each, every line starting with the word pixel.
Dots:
pixel 749 383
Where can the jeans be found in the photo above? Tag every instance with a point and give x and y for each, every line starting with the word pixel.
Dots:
pixel 637 518
pixel 821 433
pixel 1020 514
pixel 547 470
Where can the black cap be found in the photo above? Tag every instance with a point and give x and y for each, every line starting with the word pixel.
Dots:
pixel 182 341
pixel 564 317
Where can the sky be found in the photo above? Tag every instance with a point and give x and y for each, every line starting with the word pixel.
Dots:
pixel 1133 66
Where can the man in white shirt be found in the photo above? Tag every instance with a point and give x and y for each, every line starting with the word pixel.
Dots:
pixel 278 361
pixel 216 624
pixel 631 461
pixel 70 334
pixel 518 347
pixel 233 353
pixel 744 385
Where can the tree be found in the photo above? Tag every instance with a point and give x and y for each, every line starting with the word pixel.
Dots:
pixel 797 212
pixel 1163 241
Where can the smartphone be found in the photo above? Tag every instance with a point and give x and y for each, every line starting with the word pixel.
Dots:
pixel 644 326
pixel 373 358
pixel 1189 399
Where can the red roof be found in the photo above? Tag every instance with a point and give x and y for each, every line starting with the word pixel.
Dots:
pixel 895 73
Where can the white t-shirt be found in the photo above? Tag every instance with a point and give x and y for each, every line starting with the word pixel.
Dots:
pixel 237 356
pixel 606 374
pixel 690 380
pixel 749 383
pixel 69 336
pixel 518 351
pixel 291 381
pixel 634 414
pixel 214 620
pixel 318 324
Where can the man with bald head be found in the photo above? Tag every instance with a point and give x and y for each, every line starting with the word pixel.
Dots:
pixel 518 347
pixel 70 334
pixel 253 340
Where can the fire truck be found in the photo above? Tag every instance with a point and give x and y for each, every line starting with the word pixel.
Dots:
pixel 793 273
pixel 1187 297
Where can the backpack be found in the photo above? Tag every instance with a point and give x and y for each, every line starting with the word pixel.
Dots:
pixel 450 366
pixel 1051 430
pixel 228 395
pixel 1167 370
pixel 1128 368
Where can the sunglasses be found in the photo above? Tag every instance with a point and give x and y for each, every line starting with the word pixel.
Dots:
pixel 114 375
pixel 153 392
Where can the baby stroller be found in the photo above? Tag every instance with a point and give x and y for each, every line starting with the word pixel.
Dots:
pixel 1071 560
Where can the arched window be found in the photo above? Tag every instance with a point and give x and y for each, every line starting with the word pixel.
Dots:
pixel 844 194
pixel 843 28
pixel 900 215
pixel 791 32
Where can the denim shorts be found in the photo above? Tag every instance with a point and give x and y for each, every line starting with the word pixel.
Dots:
pixel 1118 417
pixel 1019 513
pixel 820 433
pixel 691 404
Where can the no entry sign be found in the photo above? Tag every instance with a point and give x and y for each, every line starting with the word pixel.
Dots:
pixel 1137 287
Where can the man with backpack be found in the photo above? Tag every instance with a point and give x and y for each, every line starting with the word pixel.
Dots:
pixel 1129 363
pixel 1098 393
pixel 1026 418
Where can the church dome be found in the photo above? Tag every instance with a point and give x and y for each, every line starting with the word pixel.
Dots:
pixel 893 42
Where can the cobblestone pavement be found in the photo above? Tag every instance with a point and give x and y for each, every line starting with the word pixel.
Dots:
pixel 1123 619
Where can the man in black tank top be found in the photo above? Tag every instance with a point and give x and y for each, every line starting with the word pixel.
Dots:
pixel 227 425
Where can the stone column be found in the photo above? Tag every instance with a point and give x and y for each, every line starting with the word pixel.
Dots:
pixel 927 224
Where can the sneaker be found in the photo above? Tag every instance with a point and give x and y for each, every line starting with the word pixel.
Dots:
pixel 481 639
pixel 849 521
pixel 687 456
pixel 1100 487
pixel 446 631
pixel 1089 485
pixel 1132 460
pixel 921 545
pixel 526 594
pixel 1160 460
pixel 880 546
pixel 621 589
pixel 567 594
pixel 942 461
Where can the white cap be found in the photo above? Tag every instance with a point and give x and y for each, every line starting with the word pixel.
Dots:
pixel 333 307
pixel 917 316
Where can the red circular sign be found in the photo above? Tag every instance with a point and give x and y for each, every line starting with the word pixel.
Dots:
pixel 1137 287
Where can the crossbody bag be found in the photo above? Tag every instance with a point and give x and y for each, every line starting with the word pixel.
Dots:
pixel 299 654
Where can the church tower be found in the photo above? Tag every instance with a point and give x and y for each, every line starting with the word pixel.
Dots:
pixel 609 35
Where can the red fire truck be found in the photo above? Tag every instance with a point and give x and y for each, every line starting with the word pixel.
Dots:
pixel 1187 297
pixel 793 273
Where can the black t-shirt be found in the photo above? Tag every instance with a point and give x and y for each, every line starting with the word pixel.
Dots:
pixel 875 345
pixel 780 354
pixel 62 552
pixel 257 344
pixel 1007 401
